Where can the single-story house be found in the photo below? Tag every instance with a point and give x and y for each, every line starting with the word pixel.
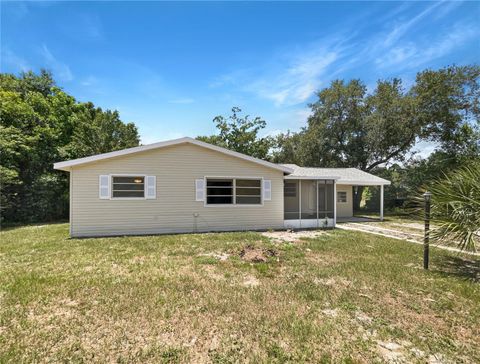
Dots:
pixel 185 185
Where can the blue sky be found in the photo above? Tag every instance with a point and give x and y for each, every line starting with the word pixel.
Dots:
pixel 172 67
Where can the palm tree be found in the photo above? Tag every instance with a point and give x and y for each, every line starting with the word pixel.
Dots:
pixel 456 208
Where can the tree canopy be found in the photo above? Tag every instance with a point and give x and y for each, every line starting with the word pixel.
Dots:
pixel 41 124
pixel 240 134
pixel 350 127
pixel 354 128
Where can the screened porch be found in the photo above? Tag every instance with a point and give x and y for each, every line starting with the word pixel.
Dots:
pixel 309 203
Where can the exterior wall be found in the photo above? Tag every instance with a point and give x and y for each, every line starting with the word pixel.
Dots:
pixel 174 208
pixel 345 209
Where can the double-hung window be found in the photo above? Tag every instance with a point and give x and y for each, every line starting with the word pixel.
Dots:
pixel 128 187
pixel 234 191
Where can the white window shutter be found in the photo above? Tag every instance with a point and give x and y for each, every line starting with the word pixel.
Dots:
pixel 151 187
pixel 200 190
pixel 267 190
pixel 104 187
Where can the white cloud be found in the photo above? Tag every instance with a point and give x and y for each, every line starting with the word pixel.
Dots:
pixel 89 81
pixel 400 30
pixel 298 80
pixel 292 76
pixel 13 60
pixel 60 70
pixel 92 27
pixel 411 55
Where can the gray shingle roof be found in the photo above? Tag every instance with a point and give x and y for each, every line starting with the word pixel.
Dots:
pixel 351 176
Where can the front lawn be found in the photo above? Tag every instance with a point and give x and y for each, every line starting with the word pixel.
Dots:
pixel 342 296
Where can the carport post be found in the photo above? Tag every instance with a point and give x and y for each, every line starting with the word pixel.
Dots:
pixel 381 202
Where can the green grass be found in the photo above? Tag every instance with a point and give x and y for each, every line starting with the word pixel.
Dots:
pixel 169 299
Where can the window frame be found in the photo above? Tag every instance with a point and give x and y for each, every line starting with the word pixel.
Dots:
pixel 234 188
pixel 129 175
pixel 346 196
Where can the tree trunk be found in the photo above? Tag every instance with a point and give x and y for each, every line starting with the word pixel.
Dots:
pixel 357 198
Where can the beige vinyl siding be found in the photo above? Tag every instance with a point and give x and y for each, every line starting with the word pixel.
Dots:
pixel 345 209
pixel 174 208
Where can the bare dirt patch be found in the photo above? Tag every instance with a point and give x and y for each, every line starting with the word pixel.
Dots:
pixel 391 351
pixel 257 255
pixel 333 281
pixel 291 236
pixel 330 312
pixel 251 281
pixel 220 256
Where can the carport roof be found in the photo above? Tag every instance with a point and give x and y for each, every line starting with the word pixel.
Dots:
pixel 343 176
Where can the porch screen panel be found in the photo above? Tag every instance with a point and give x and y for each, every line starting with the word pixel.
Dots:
pixel 291 200
pixel 309 199
pixel 325 199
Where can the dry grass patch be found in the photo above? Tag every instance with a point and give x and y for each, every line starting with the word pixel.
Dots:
pixel 337 297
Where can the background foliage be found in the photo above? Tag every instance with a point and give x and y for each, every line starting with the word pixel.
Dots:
pixel 241 134
pixel 349 126
pixel 375 132
pixel 41 124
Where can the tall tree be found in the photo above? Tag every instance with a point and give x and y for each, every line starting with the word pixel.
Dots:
pixel 40 124
pixel 351 128
pixel 240 133
pixel 99 131
pixel 448 107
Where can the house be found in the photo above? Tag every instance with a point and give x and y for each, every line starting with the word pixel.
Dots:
pixel 185 185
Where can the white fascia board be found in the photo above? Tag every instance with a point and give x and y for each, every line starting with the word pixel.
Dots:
pixel 67 165
pixel 363 183
pixel 312 177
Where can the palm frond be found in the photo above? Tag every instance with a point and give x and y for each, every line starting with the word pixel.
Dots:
pixel 456 208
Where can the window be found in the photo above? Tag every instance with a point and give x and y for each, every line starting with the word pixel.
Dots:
pixel 248 191
pixel 128 187
pixel 342 196
pixel 219 191
pixel 232 191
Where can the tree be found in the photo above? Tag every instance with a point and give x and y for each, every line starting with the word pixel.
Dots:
pixel 240 134
pixel 448 106
pixel 351 128
pixel 99 131
pixel 456 207
pixel 40 124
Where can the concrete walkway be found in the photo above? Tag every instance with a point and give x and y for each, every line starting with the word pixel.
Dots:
pixel 411 237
